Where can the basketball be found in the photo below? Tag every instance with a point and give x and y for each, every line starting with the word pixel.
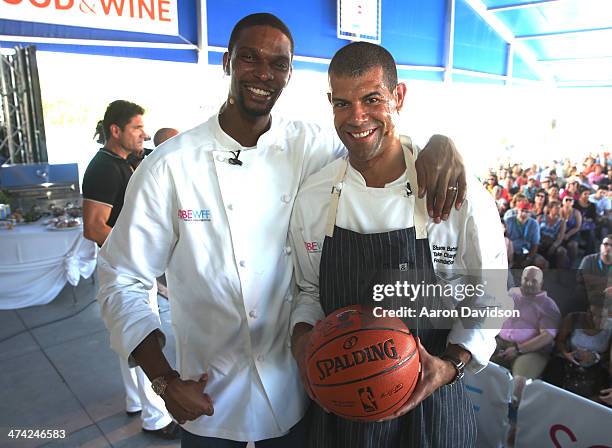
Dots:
pixel 361 367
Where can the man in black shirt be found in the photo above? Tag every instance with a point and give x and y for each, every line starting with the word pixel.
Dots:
pixel 108 173
pixel 104 185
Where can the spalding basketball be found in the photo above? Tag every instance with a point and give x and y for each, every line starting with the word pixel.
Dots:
pixel 361 367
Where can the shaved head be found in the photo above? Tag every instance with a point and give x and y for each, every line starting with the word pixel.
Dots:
pixel 164 134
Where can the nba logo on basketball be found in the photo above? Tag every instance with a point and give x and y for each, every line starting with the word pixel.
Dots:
pixel 367 399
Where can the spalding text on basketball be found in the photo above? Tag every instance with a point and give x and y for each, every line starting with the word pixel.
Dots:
pixel 377 352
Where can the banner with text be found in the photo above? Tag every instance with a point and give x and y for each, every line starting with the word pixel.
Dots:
pixel 552 417
pixel 141 16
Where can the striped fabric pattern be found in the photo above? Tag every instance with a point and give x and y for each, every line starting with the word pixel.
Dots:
pixel 351 263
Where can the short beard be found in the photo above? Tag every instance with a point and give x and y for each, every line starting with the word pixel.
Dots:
pixel 253 112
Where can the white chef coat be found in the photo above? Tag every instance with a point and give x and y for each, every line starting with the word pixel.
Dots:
pixel 219 231
pixel 475 231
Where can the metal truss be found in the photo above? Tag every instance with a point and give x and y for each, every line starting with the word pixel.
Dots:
pixel 22 132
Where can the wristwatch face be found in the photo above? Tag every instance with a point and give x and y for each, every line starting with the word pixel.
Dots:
pixel 159 385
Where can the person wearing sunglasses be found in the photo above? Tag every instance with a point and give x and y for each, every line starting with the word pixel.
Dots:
pixel 538 212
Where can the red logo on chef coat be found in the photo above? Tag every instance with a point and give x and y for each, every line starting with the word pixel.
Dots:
pixel 313 247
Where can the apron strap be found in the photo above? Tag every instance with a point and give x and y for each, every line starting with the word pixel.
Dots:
pixel 420 207
pixel 335 198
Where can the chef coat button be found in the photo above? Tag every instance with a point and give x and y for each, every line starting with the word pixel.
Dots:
pixel 260 358
pixel 287 250
pixel 253 314
pixel 220 158
pixel 230 207
pixel 285 198
pixel 289 298
pixel 242 263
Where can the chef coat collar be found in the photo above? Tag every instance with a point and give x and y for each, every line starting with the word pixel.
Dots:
pixel 357 178
pixel 228 143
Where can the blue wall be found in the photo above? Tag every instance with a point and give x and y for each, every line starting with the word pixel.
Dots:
pixel 412 30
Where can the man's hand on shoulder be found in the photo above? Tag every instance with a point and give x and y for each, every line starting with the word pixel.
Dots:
pixel 441 175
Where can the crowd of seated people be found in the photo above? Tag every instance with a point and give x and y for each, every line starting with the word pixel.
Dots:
pixel 572 351
pixel 580 197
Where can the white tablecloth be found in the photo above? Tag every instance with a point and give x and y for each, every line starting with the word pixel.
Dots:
pixel 36 262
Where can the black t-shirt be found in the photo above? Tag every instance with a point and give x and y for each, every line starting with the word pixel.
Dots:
pixel 105 181
pixel 589 215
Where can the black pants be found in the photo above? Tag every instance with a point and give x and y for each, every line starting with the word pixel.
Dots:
pixel 295 438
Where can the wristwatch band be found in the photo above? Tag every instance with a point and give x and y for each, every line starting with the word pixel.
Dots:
pixel 160 383
pixel 457 364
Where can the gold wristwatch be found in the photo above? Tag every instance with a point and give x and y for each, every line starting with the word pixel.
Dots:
pixel 160 383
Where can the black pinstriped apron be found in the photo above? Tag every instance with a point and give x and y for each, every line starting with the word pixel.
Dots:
pixel 350 264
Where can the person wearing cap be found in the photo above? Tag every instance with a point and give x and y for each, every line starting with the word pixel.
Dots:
pixel 571 188
pixel 518 198
pixel 524 232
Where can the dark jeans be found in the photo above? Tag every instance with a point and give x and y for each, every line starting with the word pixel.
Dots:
pixel 295 438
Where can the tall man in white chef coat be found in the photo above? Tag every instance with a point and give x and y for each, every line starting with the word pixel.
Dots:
pixel 357 226
pixel 211 208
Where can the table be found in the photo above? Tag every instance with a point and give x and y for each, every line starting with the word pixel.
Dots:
pixel 36 262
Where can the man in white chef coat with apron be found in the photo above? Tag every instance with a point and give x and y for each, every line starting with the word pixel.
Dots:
pixel 211 209
pixel 357 222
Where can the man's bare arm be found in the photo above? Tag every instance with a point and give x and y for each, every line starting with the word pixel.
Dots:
pixel 95 217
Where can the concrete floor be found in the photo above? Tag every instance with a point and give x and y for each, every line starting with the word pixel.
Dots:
pixel 58 372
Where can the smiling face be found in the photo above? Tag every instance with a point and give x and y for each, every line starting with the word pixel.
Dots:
pixel 260 68
pixel 365 112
